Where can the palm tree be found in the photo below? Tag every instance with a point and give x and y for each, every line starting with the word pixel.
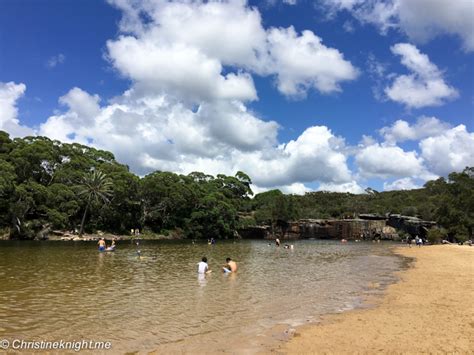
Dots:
pixel 97 187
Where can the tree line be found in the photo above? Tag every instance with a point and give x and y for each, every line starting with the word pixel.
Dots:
pixel 47 184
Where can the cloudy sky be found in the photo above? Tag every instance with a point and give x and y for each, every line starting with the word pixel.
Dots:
pixel 302 95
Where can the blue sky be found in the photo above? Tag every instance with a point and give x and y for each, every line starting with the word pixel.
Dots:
pixel 293 93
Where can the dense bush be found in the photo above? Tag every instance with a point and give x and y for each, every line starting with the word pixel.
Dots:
pixel 46 183
pixel 436 235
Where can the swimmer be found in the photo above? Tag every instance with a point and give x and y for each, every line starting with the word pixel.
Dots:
pixel 230 266
pixel 101 244
pixel 112 246
pixel 203 268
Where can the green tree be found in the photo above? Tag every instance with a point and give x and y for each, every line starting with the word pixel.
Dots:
pixel 96 187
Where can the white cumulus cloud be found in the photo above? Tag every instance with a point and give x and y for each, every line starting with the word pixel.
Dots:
pixel 402 130
pixel 161 133
pixel 214 55
pixel 401 184
pixel 451 150
pixel 424 86
pixel 352 187
pixel 420 20
pixel 303 62
pixel 9 94
pixel 388 161
pixel 423 20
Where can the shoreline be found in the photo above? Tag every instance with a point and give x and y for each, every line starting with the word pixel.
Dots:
pixel 429 310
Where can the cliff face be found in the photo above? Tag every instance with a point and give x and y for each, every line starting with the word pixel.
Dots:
pixel 411 225
pixel 342 229
pixel 371 227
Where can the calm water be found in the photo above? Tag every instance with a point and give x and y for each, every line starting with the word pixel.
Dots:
pixel 67 290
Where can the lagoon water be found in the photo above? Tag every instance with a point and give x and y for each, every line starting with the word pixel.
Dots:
pixel 69 291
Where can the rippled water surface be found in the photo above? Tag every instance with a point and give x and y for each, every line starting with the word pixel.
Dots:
pixel 67 290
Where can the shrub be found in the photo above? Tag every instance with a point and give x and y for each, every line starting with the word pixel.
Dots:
pixel 436 235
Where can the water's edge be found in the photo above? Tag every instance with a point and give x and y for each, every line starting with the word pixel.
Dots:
pixel 283 333
pixel 273 339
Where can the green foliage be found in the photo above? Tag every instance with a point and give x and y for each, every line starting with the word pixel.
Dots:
pixel 46 183
pixel 96 187
pixel 454 203
pixel 436 235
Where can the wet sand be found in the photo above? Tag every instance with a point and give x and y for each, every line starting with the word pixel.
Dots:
pixel 430 310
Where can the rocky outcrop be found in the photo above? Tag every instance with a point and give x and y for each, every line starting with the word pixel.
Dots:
pixel 255 232
pixel 366 227
pixel 411 225
pixel 342 229
pixel 43 233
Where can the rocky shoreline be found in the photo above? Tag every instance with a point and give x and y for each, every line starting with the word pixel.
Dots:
pixel 364 227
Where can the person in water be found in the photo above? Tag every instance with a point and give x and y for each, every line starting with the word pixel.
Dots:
pixel 112 246
pixel 203 268
pixel 230 266
pixel 101 244
pixel 277 242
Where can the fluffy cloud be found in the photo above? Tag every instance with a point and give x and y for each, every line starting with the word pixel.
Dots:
pixel 352 187
pixel 9 94
pixel 191 67
pixel 159 133
pixel 303 62
pixel 451 150
pixel 402 131
pixel 186 108
pixel 177 69
pixel 442 149
pixel 401 184
pixel 317 155
pixel 421 20
pixel 424 86
pixel 162 54
pixel 388 161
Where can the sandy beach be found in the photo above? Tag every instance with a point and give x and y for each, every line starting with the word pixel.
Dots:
pixel 429 311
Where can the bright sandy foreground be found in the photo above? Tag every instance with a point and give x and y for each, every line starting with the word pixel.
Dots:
pixel 430 310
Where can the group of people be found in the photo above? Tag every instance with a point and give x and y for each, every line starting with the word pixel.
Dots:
pixel 103 246
pixel 203 266
pixel 278 243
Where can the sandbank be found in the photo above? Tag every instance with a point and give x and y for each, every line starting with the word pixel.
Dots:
pixel 430 310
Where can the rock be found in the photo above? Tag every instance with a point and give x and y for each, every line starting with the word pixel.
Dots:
pixel 43 233
pixel 5 234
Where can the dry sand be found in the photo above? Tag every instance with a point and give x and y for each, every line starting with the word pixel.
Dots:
pixel 431 310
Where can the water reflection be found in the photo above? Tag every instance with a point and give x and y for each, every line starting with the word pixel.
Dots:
pixel 202 279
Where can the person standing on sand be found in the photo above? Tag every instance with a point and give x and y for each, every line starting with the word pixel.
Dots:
pixel 277 242
pixel 418 241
